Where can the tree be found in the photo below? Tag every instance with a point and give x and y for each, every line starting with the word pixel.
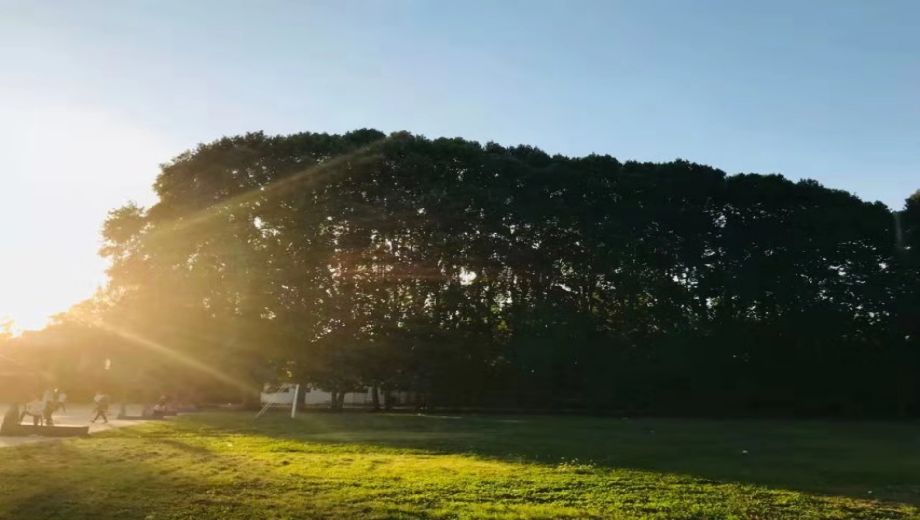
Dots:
pixel 479 275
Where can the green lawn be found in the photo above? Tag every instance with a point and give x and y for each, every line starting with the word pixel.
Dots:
pixel 228 465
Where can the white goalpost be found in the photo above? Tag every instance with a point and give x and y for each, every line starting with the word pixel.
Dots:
pixel 280 400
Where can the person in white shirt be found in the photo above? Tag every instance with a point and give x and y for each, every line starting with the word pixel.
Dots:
pixel 35 408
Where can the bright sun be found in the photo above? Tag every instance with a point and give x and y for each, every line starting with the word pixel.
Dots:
pixel 65 168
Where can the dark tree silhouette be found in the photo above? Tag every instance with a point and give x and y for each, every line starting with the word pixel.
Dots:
pixel 486 276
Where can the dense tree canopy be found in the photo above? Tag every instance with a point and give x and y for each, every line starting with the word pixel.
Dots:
pixel 476 275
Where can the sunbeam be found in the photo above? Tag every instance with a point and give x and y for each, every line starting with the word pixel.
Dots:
pixel 173 354
pixel 300 179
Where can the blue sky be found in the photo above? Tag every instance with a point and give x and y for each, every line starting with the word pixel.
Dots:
pixel 93 95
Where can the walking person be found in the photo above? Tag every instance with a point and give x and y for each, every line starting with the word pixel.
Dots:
pixel 101 407
pixel 49 405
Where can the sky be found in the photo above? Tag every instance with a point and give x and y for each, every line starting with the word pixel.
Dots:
pixel 95 95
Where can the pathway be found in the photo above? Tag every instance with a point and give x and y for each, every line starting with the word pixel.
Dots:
pixel 76 415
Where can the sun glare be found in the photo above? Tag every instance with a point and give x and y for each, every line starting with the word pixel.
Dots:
pixel 82 162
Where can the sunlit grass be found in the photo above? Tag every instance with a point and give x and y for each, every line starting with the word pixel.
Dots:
pixel 370 466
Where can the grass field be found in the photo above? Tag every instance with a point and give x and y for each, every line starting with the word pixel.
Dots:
pixel 227 465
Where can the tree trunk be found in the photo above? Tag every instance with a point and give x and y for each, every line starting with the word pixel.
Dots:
pixel 375 398
pixel 333 405
pixel 387 400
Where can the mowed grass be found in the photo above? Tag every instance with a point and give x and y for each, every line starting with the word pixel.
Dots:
pixel 359 465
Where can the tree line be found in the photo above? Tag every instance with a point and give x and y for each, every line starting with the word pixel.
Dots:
pixel 487 276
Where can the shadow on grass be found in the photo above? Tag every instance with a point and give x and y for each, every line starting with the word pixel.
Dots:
pixel 852 459
pixel 96 479
pixel 228 465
